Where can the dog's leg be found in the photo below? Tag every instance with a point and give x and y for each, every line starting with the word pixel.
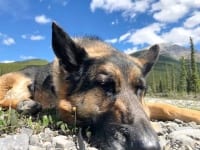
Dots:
pixel 163 111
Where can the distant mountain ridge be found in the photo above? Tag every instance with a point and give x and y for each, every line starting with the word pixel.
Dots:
pixel 176 51
pixel 172 51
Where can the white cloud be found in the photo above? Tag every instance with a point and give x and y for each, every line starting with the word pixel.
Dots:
pixel 8 41
pixel 37 37
pixel 180 35
pixel 142 6
pixel 172 22
pixel 26 57
pixel 177 35
pixel 112 41
pixel 173 10
pixel 124 36
pixel 111 5
pixel 171 14
pixel 131 50
pixel 7 61
pixel 33 37
pixel 152 34
pixel 42 19
pixel 127 7
pixel 163 10
pixel 147 35
pixel 193 21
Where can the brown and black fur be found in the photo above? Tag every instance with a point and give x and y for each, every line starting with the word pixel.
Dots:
pixel 104 87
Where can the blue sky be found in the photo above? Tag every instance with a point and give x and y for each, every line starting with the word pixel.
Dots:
pixel 25 26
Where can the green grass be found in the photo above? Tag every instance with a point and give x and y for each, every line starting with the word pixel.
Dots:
pixel 10 67
pixel 11 121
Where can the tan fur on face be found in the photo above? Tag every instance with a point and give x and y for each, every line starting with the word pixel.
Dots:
pixel 134 74
pixel 113 70
pixel 95 48
pixel 63 105
pixel 137 61
pixel 119 108
pixel 59 79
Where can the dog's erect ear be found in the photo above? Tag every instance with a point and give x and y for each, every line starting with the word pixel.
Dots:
pixel 148 58
pixel 70 55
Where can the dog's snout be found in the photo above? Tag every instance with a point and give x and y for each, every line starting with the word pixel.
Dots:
pixel 151 145
pixel 147 142
pixel 141 136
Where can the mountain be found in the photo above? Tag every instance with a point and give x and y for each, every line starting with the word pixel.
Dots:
pixel 176 51
pixel 166 74
pixel 14 66
pixel 173 52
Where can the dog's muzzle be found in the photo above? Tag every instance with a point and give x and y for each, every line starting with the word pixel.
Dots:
pixel 139 136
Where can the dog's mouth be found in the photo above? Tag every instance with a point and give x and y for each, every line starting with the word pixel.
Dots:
pixel 124 137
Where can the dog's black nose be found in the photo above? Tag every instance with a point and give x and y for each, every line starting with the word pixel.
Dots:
pixel 146 144
pixel 141 136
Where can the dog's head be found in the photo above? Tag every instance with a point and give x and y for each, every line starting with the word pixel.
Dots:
pixel 106 87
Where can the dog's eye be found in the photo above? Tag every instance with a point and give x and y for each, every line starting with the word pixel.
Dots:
pixel 140 88
pixel 140 91
pixel 107 83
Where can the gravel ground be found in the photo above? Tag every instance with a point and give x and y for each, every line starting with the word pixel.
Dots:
pixel 173 135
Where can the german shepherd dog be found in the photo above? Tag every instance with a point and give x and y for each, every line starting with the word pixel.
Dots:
pixel 103 86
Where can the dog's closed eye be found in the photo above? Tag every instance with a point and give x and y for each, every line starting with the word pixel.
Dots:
pixel 140 87
pixel 107 83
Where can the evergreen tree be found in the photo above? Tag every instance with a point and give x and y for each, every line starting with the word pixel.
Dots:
pixel 160 86
pixel 173 79
pixel 167 81
pixel 194 75
pixel 188 76
pixel 153 83
pixel 183 76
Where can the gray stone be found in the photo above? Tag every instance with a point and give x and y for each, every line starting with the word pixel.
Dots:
pixel 31 147
pixel 91 148
pixel 34 140
pixel 188 138
pixel 162 141
pixel 49 132
pixel 172 126
pixel 27 131
pixel 15 142
pixel 48 145
pixel 193 133
pixel 193 124
pixel 63 143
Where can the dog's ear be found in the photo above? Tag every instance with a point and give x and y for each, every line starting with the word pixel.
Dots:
pixel 70 55
pixel 148 58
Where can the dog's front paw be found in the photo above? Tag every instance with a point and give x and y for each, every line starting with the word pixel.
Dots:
pixel 29 107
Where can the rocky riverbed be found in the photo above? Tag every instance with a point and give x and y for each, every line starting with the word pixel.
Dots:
pixel 173 135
